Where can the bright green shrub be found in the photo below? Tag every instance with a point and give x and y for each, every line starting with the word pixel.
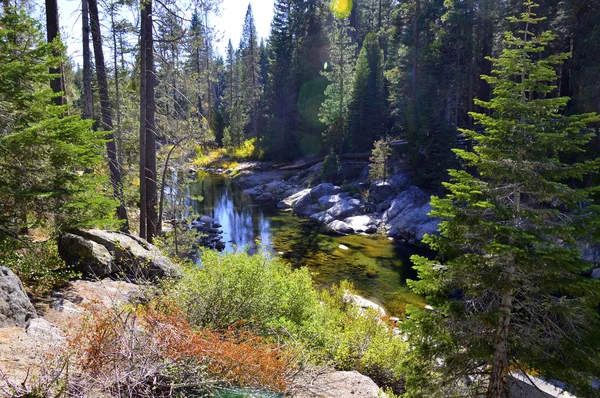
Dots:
pixel 237 287
pixel 263 293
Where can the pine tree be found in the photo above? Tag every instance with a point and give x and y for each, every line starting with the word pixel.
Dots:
pixel 44 153
pixel 250 72
pixel 379 167
pixel 340 73
pixel 281 132
pixel 510 293
pixel 368 103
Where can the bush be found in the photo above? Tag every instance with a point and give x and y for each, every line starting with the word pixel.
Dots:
pixel 151 351
pixel 330 171
pixel 265 295
pixel 237 287
pixel 38 265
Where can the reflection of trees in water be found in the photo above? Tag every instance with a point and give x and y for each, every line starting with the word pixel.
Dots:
pixel 242 222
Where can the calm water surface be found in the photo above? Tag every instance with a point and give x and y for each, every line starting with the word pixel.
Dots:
pixel 377 267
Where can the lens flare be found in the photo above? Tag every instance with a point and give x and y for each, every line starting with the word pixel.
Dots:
pixel 341 8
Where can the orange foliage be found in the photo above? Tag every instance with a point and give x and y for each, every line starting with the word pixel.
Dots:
pixel 116 340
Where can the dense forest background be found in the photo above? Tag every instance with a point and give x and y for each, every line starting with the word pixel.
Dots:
pixel 371 69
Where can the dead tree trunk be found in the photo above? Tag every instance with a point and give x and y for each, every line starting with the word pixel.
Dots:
pixel 106 111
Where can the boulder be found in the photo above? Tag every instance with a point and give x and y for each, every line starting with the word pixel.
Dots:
pixel 309 211
pixel 15 307
pixel 265 197
pixel 324 189
pixel 361 223
pixel 413 223
pixel 131 255
pixel 254 191
pixel 206 219
pixel 596 273
pixel 41 329
pixel 91 257
pixel 412 197
pixel 363 303
pixel 322 217
pixel 380 191
pixel 340 227
pixel 339 384
pixel 328 201
pixel 399 181
pixel 291 201
pixel 342 209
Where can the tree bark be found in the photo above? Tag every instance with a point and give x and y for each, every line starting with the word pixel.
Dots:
pixel 106 111
pixel 57 83
pixel 416 45
pixel 88 98
pixel 147 128
pixel 119 131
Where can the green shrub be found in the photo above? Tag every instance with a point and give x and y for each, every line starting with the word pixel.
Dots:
pixel 330 171
pixel 264 294
pixel 237 287
pixel 38 265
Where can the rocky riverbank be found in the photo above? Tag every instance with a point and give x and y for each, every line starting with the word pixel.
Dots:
pixel 395 207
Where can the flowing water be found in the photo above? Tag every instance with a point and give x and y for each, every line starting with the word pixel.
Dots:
pixel 377 267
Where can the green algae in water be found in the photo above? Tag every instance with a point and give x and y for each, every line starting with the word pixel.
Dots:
pixel 303 244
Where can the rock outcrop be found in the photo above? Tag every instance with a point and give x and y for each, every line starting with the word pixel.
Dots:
pixel 98 253
pixel 337 385
pixel 15 307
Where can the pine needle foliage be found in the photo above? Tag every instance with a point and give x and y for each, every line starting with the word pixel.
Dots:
pixel 46 154
pixel 508 287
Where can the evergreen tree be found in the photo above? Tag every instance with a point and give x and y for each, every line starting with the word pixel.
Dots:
pixel 340 73
pixel 380 156
pixel 365 111
pixel 281 132
pixel 510 293
pixel 44 153
pixel 250 72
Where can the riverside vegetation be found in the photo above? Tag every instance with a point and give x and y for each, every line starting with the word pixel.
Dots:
pixel 511 288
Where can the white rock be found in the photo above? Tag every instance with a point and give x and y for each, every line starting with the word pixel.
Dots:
pixel 343 247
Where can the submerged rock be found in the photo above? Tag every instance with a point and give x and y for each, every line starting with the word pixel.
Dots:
pixel 15 307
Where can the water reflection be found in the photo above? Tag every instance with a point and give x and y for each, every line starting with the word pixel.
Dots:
pixel 243 223
pixel 377 267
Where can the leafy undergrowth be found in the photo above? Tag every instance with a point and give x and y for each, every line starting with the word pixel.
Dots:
pixel 283 305
pixel 228 158
pixel 37 264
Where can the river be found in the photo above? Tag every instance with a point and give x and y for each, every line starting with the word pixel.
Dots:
pixel 376 266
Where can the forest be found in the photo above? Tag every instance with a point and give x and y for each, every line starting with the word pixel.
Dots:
pixel 469 128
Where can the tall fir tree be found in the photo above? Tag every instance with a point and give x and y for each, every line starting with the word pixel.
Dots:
pixel 367 107
pixel 45 150
pixel 340 73
pixel 250 73
pixel 510 293
pixel 281 132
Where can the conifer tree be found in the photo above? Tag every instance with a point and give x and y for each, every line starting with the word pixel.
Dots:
pixel 365 111
pixel 44 152
pixel 281 132
pixel 250 72
pixel 340 73
pixel 510 293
